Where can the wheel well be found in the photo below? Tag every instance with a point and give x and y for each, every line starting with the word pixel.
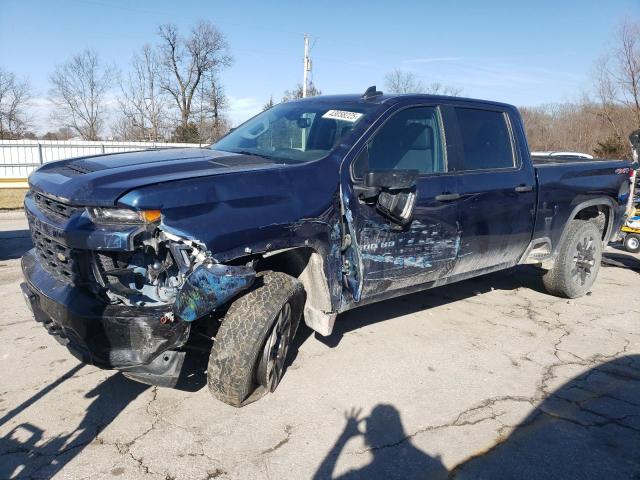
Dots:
pixel 306 265
pixel 599 214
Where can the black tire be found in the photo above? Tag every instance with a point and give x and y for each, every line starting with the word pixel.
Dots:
pixel 238 349
pixel 576 267
pixel 632 243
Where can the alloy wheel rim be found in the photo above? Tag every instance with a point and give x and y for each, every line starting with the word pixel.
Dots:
pixel 274 353
pixel 583 260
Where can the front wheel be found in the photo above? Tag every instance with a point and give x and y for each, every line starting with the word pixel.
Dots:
pixel 632 243
pixel 250 350
pixel 576 267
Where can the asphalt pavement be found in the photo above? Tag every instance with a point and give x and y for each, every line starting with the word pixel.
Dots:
pixel 489 378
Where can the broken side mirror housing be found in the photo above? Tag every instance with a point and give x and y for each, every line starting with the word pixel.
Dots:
pixel 396 193
pixel 397 206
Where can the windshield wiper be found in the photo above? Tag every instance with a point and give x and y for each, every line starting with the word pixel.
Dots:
pixel 248 152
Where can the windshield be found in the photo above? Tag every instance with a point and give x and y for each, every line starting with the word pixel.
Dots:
pixel 295 132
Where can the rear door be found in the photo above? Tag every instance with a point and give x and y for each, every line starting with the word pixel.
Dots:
pixel 393 258
pixel 496 188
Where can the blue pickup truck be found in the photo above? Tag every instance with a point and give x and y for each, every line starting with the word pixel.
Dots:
pixel 309 209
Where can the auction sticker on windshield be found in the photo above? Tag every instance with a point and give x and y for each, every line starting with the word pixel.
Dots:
pixel 342 115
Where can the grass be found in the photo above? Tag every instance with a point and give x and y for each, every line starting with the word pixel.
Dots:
pixel 11 198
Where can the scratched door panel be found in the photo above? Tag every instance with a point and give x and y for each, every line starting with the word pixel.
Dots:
pixel 423 252
pixel 426 249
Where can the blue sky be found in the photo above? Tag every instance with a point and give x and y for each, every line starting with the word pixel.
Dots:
pixel 526 53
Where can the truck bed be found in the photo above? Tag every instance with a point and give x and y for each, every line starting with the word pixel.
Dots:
pixel 564 183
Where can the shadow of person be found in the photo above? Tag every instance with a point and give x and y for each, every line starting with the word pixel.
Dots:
pixel 394 456
pixel 24 453
pixel 19 450
pixel 587 429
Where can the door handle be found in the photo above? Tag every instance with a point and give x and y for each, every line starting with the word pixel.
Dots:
pixel 524 188
pixel 447 197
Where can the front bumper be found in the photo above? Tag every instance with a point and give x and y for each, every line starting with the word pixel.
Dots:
pixel 108 336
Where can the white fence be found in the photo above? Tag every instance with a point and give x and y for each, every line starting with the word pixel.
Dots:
pixel 18 158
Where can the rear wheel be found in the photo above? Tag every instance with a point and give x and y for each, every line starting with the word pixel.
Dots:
pixel 576 267
pixel 249 353
pixel 632 243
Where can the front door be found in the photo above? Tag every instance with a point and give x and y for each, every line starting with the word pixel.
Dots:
pixel 391 256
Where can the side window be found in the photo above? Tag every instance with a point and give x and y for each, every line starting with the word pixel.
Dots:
pixel 410 140
pixel 485 139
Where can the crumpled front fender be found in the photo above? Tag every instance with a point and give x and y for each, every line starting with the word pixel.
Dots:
pixel 208 287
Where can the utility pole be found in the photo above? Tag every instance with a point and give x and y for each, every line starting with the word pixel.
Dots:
pixel 201 119
pixel 307 66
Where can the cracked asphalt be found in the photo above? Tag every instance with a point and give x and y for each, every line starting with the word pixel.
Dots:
pixel 489 378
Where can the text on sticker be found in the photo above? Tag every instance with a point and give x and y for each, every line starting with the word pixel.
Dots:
pixel 342 115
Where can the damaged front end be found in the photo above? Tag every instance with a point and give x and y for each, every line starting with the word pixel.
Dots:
pixel 167 269
pixel 128 300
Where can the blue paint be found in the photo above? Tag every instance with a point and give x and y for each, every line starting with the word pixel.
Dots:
pixel 234 203
pixel 412 261
pixel 209 286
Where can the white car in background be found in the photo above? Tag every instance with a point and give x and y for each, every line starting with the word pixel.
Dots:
pixel 573 155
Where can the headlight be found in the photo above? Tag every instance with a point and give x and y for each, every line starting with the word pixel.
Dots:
pixel 122 215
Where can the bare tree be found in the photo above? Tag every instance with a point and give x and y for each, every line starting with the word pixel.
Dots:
pixel 577 127
pixel 124 128
pixel 607 94
pixel 186 61
pixel 268 104
pixel 213 100
pixel 78 93
pixel 437 88
pixel 14 98
pixel 626 71
pixel 617 89
pixel 63 133
pixel 296 93
pixel 400 81
pixel 142 101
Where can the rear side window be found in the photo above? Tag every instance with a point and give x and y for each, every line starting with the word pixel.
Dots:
pixel 410 140
pixel 485 139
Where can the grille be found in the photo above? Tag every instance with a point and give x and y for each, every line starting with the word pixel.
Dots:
pixel 53 208
pixel 59 260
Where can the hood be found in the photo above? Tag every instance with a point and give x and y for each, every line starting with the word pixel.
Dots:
pixel 100 180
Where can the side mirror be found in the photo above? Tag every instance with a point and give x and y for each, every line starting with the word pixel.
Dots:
pixel 396 193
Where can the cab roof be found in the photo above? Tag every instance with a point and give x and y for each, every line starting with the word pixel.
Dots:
pixel 395 98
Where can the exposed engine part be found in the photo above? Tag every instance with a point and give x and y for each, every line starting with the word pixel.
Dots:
pixel 167 269
pixel 153 274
